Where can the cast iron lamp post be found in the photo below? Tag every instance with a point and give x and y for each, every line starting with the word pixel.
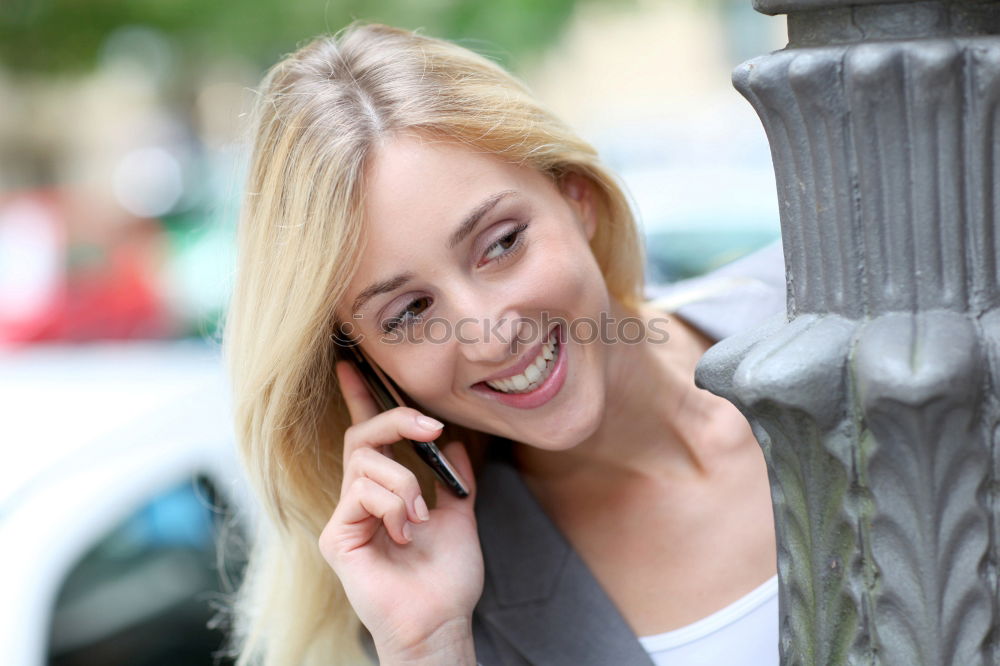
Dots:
pixel 877 400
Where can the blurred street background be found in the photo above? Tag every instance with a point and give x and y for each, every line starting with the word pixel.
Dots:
pixel 121 152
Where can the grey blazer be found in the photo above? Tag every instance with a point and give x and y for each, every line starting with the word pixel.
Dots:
pixel 541 605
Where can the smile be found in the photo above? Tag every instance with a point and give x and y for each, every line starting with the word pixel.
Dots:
pixel 534 375
pixel 536 384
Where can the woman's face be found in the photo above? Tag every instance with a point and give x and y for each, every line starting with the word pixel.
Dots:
pixel 475 303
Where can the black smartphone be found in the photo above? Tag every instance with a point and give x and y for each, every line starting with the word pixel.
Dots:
pixel 387 395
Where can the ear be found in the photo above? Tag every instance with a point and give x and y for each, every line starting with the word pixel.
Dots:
pixel 579 192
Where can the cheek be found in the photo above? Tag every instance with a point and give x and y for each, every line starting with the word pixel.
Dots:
pixel 424 372
pixel 568 276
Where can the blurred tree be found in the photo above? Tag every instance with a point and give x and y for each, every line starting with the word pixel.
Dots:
pixel 66 36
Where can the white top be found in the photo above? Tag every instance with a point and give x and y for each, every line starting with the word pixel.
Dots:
pixel 744 633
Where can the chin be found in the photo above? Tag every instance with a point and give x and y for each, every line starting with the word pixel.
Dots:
pixel 563 443
pixel 564 429
pixel 567 431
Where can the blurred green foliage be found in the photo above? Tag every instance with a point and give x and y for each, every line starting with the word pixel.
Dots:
pixel 66 36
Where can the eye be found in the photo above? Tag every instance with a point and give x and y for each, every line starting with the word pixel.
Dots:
pixel 506 245
pixel 406 316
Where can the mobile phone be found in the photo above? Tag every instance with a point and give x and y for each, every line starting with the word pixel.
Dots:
pixel 387 395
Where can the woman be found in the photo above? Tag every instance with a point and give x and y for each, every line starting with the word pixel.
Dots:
pixel 415 194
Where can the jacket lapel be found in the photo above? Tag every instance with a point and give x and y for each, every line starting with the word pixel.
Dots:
pixel 538 594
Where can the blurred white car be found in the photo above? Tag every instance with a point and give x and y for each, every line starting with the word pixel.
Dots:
pixel 118 461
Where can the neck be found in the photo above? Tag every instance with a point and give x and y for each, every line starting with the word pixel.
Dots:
pixel 656 423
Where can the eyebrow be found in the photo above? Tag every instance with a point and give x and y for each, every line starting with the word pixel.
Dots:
pixel 472 219
pixel 467 226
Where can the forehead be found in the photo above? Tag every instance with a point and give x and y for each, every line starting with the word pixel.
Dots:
pixel 417 179
pixel 417 191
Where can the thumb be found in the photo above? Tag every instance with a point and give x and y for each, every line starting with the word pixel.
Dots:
pixel 456 454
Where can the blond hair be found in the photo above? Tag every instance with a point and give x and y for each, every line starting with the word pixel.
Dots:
pixel 317 115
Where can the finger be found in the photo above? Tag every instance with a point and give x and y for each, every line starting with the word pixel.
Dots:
pixel 360 403
pixel 370 464
pixel 367 499
pixel 388 427
pixel 457 455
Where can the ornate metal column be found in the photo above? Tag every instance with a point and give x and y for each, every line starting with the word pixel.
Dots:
pixel 877 402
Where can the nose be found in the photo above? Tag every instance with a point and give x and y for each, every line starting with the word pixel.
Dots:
pixel 489 340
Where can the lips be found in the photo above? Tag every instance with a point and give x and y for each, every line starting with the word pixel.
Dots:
pixel 534 375
pixel 519 367
pixel 549 388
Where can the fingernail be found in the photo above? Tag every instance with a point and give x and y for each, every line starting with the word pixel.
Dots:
pixel 428 423
pixel 406 531
pixel 421 508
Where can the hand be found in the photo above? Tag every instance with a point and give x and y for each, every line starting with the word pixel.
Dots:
pixel 412 576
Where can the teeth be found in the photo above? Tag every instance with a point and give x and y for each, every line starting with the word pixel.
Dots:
pixel 533 375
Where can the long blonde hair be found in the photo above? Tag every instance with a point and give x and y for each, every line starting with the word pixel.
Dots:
pixel 317 115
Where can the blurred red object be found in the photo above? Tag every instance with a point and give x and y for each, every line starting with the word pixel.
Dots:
pixel 74 270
